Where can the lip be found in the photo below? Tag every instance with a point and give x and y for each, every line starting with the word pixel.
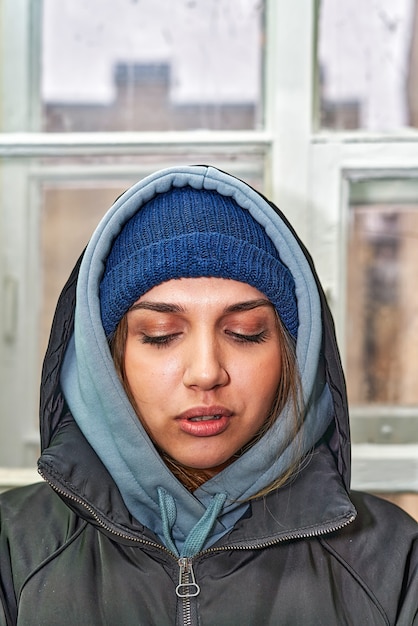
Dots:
pixel 200 411
pixel 207 428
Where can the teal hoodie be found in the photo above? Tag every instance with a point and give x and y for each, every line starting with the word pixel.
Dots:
pixel 186 522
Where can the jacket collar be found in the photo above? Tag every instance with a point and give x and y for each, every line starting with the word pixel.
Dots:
pixel 313 503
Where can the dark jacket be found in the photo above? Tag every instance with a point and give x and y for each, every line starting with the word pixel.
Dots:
pixel 309 553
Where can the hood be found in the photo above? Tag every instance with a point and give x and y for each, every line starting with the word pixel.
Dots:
pixel 103 413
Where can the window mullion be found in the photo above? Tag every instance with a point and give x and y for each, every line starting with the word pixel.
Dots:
pixel 289 95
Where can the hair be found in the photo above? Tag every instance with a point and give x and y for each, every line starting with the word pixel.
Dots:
pixel 288 391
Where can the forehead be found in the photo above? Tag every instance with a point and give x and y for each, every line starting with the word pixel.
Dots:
pixel 203 292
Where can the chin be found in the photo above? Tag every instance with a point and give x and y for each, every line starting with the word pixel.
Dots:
pixel 210 465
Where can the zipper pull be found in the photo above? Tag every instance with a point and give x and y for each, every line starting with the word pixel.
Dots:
pixel 187 587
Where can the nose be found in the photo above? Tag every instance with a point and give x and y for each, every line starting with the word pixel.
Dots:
pixel 205 368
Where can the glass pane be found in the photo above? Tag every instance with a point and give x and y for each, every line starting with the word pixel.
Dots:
pixel 382 299
pixel 368 64
pixel 68 217
pixel 151 65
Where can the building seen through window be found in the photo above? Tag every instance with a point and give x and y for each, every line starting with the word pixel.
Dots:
pixel 168 66
pixel 368 65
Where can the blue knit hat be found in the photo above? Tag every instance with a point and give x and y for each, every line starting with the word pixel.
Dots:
pixel 191 233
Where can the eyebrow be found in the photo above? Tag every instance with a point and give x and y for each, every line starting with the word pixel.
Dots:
pixel 248 306
pixel 165 307
pixel 159 307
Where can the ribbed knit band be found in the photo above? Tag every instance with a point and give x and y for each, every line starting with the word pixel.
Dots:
pixel 190 233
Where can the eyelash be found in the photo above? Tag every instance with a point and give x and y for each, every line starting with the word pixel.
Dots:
pixel 160 341
pixel 258 338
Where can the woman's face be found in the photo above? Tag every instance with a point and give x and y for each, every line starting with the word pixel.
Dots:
pixel 203 362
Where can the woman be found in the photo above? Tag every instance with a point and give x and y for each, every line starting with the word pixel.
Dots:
pixel 195 434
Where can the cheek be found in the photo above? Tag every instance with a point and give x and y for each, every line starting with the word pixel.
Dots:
pixel 267 379
pixel 149 375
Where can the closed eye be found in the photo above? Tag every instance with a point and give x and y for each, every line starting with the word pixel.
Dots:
pixel 159 340
pixel 242 338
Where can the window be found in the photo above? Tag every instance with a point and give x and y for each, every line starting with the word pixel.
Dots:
pixel 362 185
pixel 290 97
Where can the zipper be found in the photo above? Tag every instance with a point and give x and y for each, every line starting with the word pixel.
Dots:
pixel 100 521
pixel 184 562
pixel 187 587
pixel 296 535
